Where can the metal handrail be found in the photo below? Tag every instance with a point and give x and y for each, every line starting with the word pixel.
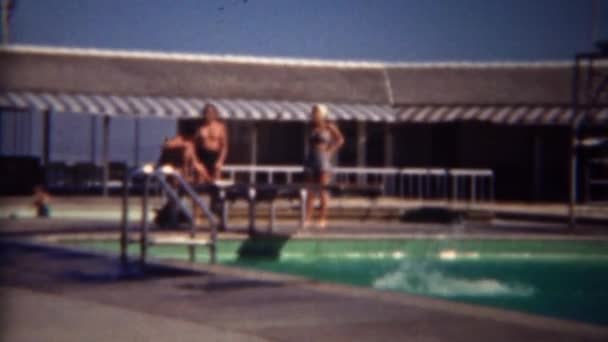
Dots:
pixel 159 175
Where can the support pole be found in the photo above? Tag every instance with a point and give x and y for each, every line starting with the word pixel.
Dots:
pixel 224 202
pixel 361 140
pixel 573 149
pixel 105 157
pixel 192 247
pixel 253 151
pixel 124 227
pixel 388 145
pixel 137 142
pixel 143 238
pixel 538 166
pixel 93 143
pixel 306 140
pixel 303 214
pixel 273 216
pixel 46 137
pixel 251 194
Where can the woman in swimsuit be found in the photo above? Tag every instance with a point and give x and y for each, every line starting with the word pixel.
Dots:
pixel 324 140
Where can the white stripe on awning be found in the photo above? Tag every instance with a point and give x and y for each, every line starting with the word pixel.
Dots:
pixel 486 113
pixel 36 102
pixel 56 103
pixel 106 105
pixel 470 113
pixel 454 114
pixel 75 106
pixel 17 100
pixel 501 114
pixel 89 106
pixel 187 107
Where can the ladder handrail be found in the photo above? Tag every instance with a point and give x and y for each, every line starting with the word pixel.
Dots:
pixel 159 175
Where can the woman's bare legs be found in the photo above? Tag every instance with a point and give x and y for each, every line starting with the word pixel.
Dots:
pixel 325 177
pixel 310 202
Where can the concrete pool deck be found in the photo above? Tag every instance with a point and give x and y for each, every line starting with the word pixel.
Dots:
pixel 52 293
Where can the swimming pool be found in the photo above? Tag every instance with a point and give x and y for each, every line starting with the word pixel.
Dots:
pixel 557 278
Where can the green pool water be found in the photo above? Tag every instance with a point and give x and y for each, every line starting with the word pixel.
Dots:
pixel 556 278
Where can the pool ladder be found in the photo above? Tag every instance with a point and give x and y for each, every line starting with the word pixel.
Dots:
pixel 145 240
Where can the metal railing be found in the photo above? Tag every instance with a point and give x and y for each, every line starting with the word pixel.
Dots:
pixel 159 177
pixel 472 185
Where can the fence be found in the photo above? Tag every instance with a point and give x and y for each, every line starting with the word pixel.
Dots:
pixel 472 185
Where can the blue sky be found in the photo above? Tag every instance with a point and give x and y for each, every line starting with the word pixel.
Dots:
pixel 389 30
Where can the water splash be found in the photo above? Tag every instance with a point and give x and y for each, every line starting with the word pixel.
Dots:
pixel 423 278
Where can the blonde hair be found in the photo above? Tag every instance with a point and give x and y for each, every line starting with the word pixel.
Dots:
pixel 321 108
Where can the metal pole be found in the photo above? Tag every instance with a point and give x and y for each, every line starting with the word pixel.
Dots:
pixel 303 197
pixel 192 247
pixel 473 189
pixel 251 197
pixel 573 180
pixel 388 145
pixel 46 137
pixel 93 143
pixel 137 142
pixel 224 202
pixel 124 227
pixel 573 150
pixel 273 216
pixel 213 244
pixel 361 139
pixel 105 157
pixel 305 136
pixel 538 168
pixel 143 238
pixel 253 151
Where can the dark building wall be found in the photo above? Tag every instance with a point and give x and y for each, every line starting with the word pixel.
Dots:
pixel 413 145
pixel 530 163
pixel 375 144
pixel 348 153
pixel 280 143
pixel 19 175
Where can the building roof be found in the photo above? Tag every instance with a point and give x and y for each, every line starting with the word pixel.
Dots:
pixel 141 73
pixel 513 84
pixel 176 85
pixel 158 74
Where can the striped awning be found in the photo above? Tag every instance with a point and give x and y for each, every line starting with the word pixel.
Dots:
pixel 178 107
pixel 504 115
pixel 239 109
